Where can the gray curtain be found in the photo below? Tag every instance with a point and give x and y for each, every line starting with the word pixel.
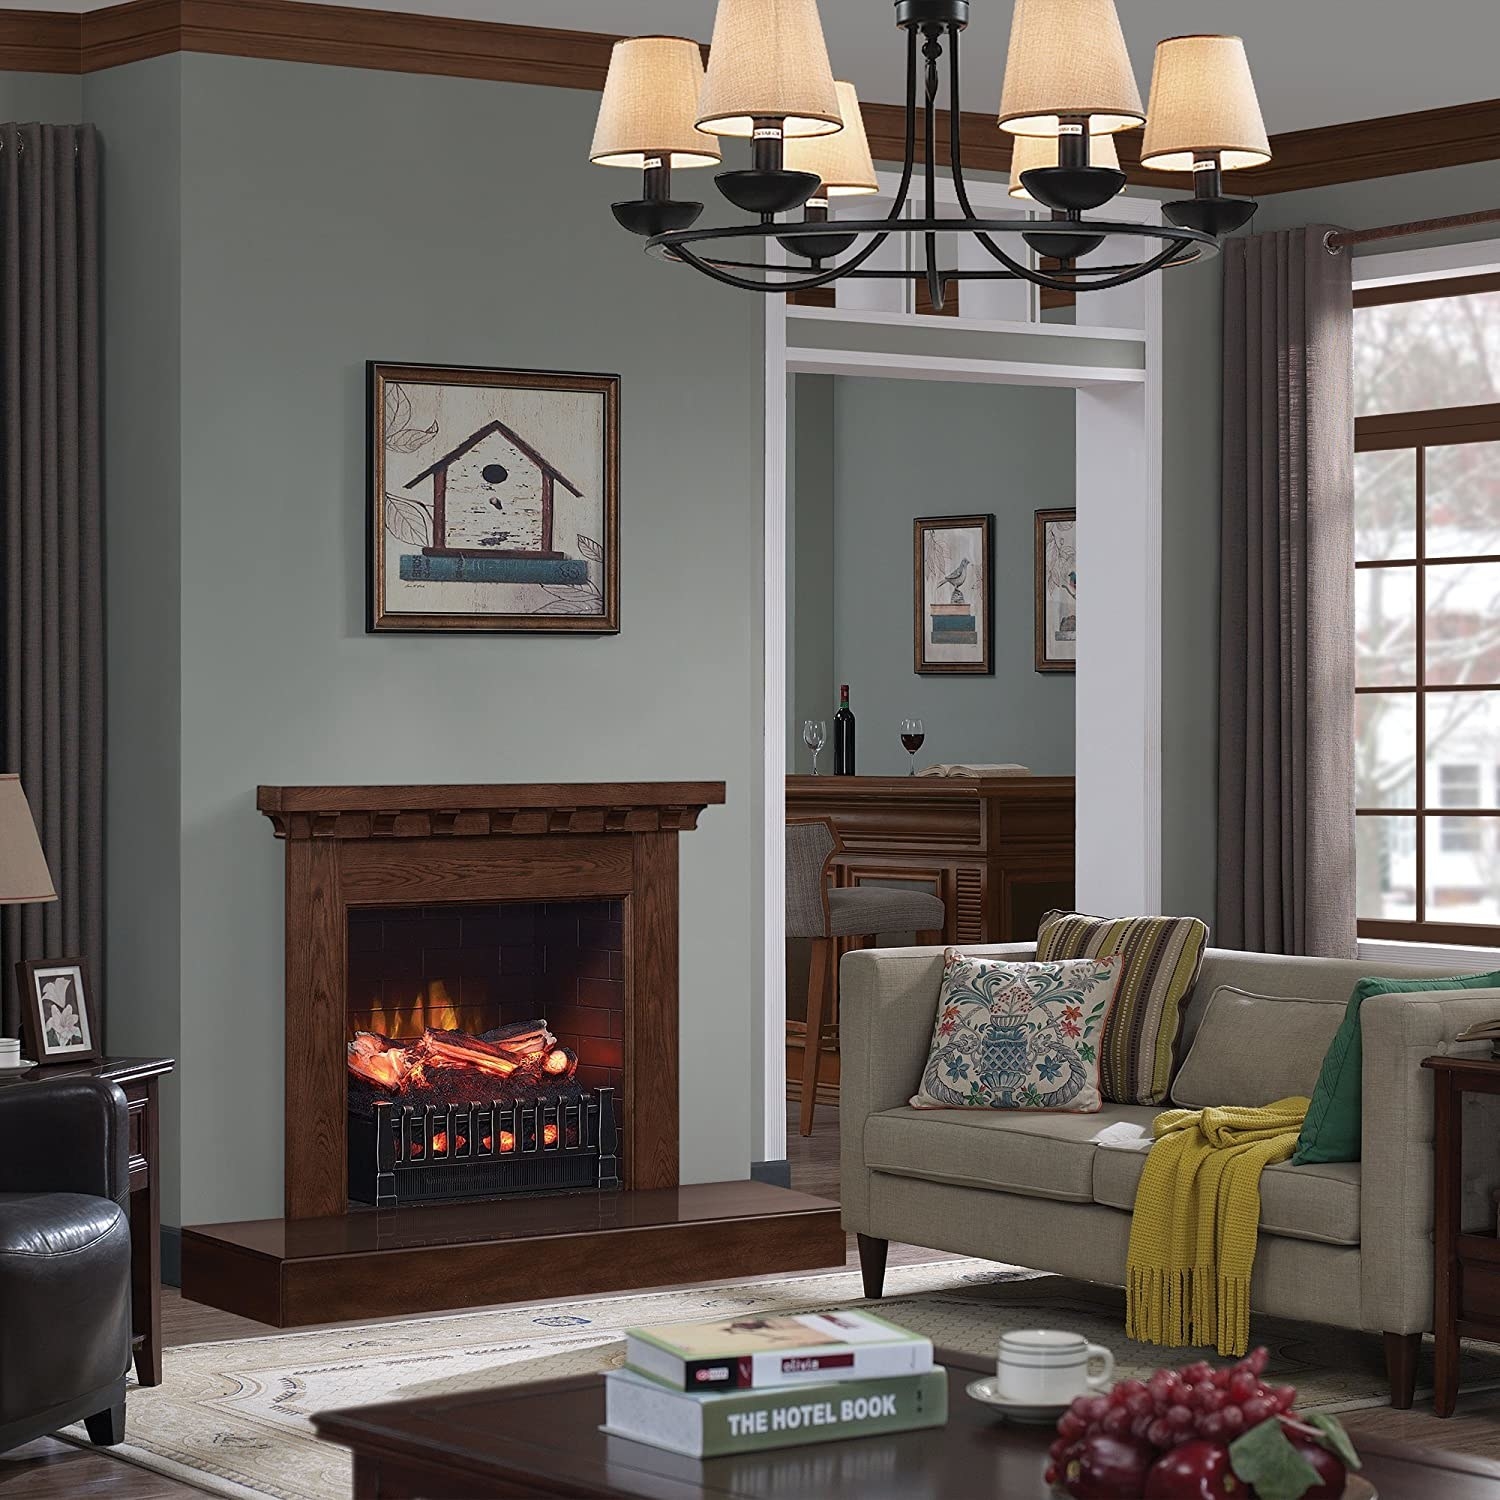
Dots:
pixel 51 626
pixel 1286 624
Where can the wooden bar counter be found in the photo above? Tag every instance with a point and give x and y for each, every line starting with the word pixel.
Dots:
pixel 998 850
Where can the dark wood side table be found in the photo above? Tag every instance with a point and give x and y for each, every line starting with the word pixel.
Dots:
pixel 139 1077
pixel 1465 1267
pixel 544 1439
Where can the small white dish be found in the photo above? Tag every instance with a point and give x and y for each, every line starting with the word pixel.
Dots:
pixel 24 1065
pixel 987 1391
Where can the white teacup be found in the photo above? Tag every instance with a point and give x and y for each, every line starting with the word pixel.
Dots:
pixel 1045 1367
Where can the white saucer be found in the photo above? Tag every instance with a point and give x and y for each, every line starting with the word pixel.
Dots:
pixel 987 1391
pixel 24 1066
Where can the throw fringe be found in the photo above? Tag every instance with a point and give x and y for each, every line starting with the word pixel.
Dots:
pixel 1193 1232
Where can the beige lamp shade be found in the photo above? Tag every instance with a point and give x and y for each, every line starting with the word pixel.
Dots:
pixel 23 867
pixel 841 161
pixel 1030 151
pixel 1068 57
pixel 1203 101
pixel 768 60
pixel 650 103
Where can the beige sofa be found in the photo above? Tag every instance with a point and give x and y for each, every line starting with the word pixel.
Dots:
pixel 1348 1244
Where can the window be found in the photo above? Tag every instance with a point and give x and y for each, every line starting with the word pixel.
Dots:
pixel 1427 608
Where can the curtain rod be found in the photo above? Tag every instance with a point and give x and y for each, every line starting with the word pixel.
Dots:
pixel 1340 239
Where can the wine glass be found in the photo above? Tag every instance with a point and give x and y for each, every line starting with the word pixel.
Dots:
pixel 912 735
pixel 814 736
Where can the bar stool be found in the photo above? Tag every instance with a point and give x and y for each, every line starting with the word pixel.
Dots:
pixel 824 913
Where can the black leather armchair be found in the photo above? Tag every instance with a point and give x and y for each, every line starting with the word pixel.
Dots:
pixel 64 1259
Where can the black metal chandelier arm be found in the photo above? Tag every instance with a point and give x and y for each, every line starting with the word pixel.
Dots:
pixel 960 187
pixel 804 284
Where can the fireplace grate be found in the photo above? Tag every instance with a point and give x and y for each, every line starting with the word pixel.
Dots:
pixel 404 1154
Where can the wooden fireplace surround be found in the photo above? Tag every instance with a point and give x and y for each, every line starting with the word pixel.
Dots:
pixel 352 846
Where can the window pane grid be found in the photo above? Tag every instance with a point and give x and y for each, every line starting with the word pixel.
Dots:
pixel 1431 838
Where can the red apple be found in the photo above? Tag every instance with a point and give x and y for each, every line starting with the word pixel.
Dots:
pixel 1331 1473
pixel 1107 1468
pixel 1195 1471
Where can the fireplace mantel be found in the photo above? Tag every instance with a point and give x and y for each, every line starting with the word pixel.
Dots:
pixel 480 810
pixel 354 846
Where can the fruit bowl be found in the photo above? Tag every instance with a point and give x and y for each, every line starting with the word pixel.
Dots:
pixel 1201 1433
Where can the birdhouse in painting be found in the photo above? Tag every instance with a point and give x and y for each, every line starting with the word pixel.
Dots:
pixel 492 515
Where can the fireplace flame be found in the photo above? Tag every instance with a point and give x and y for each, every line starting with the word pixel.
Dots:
pixel 398 1069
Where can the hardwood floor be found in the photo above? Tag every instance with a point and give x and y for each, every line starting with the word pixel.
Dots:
pixel 50 1470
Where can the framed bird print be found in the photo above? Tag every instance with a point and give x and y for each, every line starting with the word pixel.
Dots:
pixel 493 500
pixel 954 594
pixel 59 1020
pixel 1055 586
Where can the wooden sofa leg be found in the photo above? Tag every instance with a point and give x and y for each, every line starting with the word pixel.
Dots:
pixel 106 1428
pixel 872 1253
pixel 1401 1351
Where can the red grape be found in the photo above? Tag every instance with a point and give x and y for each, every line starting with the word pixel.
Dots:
pixel 1284 1396
pixel 1211 1425
pixel 1116 1421
pixel 1180 1418
pixel 1234 1420
pixel 1243 1384
pixel 1071 1426
pixel 1159 1433
pixel 1140 1404
pixel 1256 1410
pixel 1198 1370
pixel 1257 1359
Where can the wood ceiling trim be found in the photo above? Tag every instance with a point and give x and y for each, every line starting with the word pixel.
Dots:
pixel 292 31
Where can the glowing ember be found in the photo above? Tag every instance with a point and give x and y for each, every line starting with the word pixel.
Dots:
pixel 559 1060
pixel 549 1134
pixel 507 1141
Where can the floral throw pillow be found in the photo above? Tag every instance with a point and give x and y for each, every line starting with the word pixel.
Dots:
pixel 1018 1035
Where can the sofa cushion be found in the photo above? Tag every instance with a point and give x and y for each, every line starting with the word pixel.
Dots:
pixel 1162 956
pixel 1332 1129
pixel 1250 1049
pixel 1318 1203
pixel 1009 1034
pixel 1040 1154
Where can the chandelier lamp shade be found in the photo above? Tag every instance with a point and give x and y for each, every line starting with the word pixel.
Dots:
pixel 1205 119
pixel 1068 87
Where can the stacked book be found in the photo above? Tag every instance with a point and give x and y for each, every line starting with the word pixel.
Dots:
pixel 772 1380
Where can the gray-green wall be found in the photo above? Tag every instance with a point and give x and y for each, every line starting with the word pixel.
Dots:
pixel 876 454
pixel 51 98
pixel 329 216
pixel 811 559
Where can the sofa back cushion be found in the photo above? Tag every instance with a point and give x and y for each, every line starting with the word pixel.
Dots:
pixel 1161 958
pixel 1295 977
pixel 1251 1049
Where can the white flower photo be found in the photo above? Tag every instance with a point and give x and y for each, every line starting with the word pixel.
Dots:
pixel 60 1017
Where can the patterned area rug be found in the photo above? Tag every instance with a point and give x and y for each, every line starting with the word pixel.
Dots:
pixel 232 1417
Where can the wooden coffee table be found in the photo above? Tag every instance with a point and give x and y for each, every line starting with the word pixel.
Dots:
pixel 544 1439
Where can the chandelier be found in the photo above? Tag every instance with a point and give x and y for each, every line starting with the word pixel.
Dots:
pixel 1068 88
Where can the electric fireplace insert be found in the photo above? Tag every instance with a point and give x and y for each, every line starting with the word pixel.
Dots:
pixel 485 1051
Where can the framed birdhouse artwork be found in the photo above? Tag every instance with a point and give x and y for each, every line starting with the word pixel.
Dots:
pixel 954 594
pixel 59 1020
pixel 493 500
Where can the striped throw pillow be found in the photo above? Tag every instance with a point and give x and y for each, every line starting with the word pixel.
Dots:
pixel 1161 956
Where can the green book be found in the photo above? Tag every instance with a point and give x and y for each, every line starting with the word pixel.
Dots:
pixel 712 1426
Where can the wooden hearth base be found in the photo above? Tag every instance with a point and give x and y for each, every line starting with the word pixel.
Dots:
pixel 291 1272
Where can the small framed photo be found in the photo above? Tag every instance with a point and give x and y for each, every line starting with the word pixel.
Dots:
pixel 1056 589
pixel 58 1017
pixel 954 594
pixel 493 500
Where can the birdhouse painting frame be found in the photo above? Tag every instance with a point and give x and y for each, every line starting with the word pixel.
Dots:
pixel 59 1020
pixel 493 500
pixel 953 574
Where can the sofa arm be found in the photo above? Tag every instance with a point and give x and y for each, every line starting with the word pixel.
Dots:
pixel 1396 1175
pixel 66 1135
pixel 887 1005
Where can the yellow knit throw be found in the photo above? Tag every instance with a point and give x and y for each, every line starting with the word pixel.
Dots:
pixel 1197 1208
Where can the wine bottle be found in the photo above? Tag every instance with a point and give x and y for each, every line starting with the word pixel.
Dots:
pixel 843 736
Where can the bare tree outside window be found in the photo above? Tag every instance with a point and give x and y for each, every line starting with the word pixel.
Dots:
pixel 1427 592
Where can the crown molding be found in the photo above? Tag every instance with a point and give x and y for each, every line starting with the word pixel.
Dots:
pixel 292 31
